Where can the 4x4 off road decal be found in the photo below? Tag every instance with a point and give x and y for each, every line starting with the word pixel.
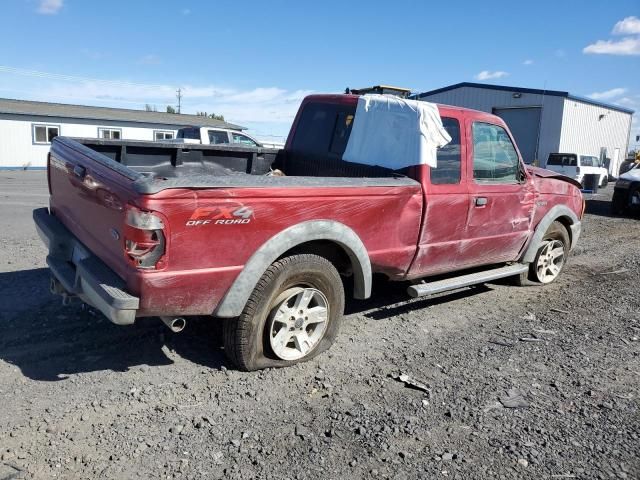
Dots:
pixel 220 215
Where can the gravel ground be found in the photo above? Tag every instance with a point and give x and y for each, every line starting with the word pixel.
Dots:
pixel 83 398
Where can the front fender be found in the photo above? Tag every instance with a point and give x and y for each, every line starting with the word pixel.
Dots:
pixel 236 298
pixel 557 212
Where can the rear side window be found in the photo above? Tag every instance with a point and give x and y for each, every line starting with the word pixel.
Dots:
pixel 323 128
pixel 494 157
pixel 567 160
pixel 190 133
pixel 448 157
pixel 216 137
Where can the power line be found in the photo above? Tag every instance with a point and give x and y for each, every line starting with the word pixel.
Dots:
pixel 73 78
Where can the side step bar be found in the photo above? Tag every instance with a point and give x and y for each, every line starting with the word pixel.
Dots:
pixel 439 286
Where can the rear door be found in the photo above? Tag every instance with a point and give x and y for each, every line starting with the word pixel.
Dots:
pixel 501 197
pixel 446 207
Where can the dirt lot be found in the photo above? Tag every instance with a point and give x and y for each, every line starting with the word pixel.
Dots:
pixel 83 398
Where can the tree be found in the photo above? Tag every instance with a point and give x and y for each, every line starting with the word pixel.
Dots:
pixel 150 108
pixel 170 109
pixel 211 115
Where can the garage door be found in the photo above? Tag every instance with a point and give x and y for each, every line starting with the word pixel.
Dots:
pixel 524 124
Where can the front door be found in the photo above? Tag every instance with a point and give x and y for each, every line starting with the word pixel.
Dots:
pixel 501 197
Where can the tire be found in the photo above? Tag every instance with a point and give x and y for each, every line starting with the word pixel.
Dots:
pixel 605 181
pixel 555 237
pixel 619 202
pixel 288 282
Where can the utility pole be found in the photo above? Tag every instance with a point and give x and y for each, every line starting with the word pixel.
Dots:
pixel 179 95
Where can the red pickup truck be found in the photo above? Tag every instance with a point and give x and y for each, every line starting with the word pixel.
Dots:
pixel 140 229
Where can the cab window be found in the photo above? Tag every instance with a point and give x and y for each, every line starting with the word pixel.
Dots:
pixel 495 159
pixel 448 165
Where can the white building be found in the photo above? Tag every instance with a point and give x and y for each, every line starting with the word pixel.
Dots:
pixel 27 128
pixel 547 121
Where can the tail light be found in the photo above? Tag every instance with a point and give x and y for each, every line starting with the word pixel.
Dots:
pixel 144 241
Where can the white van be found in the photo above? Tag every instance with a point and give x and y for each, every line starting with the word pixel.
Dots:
pixel 577 166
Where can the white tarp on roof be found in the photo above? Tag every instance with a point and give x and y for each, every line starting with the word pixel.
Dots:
pixel 395 133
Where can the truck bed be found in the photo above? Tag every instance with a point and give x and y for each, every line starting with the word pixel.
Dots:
pixel 155 166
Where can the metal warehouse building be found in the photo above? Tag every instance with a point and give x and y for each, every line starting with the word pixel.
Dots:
pixel 547 121
pixel 27 128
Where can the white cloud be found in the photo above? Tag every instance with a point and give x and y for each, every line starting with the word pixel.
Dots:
pixel 626 46
pixel 627 26
pixel 528 62
pixel 608 94
pixel 628 102
pixel 487 75
pixel 49 7
pixel 186 11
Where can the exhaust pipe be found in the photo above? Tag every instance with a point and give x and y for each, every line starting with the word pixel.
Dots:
pixel 175 324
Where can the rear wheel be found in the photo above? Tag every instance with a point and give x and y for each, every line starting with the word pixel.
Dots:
pixel 605 181
pixel 550 257
pixel 293 315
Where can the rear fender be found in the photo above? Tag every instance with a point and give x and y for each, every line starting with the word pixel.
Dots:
pixel 236 298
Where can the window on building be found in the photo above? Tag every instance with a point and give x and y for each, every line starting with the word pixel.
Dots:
pixel 160 135
pixel 448 157
pixel 494 157
pixel 44 134
pixel 110 133
pixel 243 139
pixel 218 136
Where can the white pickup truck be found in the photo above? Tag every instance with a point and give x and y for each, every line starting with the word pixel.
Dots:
pixel 217 136
pixel 576 166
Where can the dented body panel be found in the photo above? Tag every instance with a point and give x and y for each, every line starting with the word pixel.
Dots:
pixel 216 233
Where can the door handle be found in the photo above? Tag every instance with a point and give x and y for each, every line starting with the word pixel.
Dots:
pixel 481 201
pixel 79 171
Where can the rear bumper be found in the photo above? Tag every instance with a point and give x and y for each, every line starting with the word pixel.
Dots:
pixel 78 272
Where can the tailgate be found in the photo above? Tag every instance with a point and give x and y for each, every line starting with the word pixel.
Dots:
pixel 89 195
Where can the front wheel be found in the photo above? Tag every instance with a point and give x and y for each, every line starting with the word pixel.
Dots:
pixel 292 315
pixel 550 258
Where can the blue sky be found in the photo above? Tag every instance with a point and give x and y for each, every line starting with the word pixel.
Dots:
pixel 254 61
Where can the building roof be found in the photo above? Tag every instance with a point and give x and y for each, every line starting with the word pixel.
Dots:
pixel 28 107
pixel 553 93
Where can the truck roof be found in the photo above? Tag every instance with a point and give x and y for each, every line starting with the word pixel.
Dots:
pixel 348 98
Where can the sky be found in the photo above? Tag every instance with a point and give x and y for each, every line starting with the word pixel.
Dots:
pixel 253 61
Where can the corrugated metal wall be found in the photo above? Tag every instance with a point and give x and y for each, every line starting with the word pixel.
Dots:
pixel 487 99
pixel 585 131
pixel 17 149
